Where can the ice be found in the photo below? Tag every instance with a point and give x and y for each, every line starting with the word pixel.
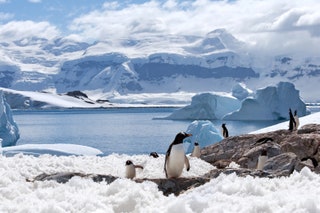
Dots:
pixel 270 103
pixel 241 91
pixel 9 132
pixel 203 132
pixel 208 106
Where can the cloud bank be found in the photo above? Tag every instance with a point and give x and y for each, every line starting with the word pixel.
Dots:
pixel 267 25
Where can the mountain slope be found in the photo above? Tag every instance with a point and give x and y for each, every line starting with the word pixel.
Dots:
pixel 155 64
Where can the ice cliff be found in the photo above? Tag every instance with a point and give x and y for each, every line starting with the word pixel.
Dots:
pixel 9 132
pixel 270 103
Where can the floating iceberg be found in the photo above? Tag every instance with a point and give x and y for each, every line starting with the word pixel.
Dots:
pixel 209 106
pixel 270 103
pixel 203 132
pixel 240 91
pixel 9 132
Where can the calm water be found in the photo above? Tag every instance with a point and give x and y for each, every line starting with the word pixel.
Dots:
pixel 123 131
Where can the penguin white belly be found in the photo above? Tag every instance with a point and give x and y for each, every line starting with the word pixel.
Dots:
pixel 176 161
pixel 130 171
pixel 261 162
pixel 196 152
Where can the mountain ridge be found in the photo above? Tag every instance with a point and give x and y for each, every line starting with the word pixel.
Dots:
pixel 171 63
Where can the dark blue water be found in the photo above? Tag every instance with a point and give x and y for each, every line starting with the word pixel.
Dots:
pixel 123 131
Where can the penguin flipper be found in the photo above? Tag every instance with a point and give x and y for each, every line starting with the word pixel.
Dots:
pixel 166 161
pixel 186 161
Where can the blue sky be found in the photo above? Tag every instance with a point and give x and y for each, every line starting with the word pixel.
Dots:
pixel 294 24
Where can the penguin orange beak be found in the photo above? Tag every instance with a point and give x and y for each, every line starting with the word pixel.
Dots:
pixel 189 135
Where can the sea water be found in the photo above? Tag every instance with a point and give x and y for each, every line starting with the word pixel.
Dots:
pixel 122 130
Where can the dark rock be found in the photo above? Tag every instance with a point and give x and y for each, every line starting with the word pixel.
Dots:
pixel 281 145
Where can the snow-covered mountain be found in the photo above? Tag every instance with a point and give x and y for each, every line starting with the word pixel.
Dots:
pixel 155 64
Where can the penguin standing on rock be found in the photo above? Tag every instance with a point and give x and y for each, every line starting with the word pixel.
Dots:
pixel 292 122
pixel 296 119
pixel 262 159
pixel 196 150
pixel 225 132
pixel 131 169
pixel 176 157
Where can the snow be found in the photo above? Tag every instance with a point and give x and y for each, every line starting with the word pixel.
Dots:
pixel 313 118
pixel 52 149
pixel 226 193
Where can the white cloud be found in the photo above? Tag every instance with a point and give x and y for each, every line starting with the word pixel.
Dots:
pixel 267 23
pixel 16 30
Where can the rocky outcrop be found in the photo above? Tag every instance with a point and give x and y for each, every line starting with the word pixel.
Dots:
pixel 286 150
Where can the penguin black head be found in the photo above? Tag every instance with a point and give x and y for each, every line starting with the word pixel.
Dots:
pixel 154 154
pixel 128 162
pixel 196 144
pixel 264 152
pixel 180 136
pixel 223 125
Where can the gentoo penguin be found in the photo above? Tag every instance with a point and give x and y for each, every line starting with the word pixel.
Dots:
pixel 131 169
pixel 196 150
pixel 176 157
pixel 291 121
pixel 262 159
pixel 154 154
pixel 225 132
pixel 296 119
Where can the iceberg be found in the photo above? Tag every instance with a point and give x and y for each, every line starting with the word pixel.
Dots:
pixel 203 132
pixel 270 103
pixel 240 91
pixel 9 132
pixel 207 106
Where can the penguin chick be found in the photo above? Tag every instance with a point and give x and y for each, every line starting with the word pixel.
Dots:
pixel 225 132
pixel 262 159
pixel 131 169
pixel 176 157
pixel 196 150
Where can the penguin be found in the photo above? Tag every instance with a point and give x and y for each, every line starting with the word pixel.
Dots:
pixel 196 150
pixel 176 157
pixel 262 159
pixel 291 121
pixel 131 169
pixel 262 141
pixel 154 154
pixel 225 132
pixel 296 119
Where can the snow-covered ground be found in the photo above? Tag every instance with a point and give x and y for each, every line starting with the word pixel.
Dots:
pixel 297 193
